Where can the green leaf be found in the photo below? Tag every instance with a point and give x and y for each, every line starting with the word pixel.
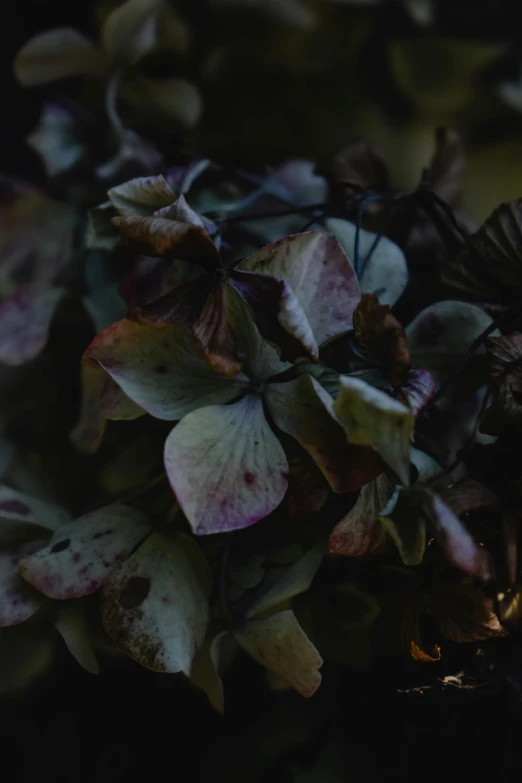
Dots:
pixel 57 54
pixel 407 527
pixel 304 410
pixel 72 624
pixel 370 417
pixel 279 643
pixel 159 369
pixel 82 553
pixel 130 31
pixel 293 12
pixel 294 580
pixel 319 274
pixel 156 606
pixel 385 272
pixel 226 466
pixel 164 102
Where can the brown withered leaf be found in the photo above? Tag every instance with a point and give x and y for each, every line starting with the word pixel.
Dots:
pixel 202 305
pixel 360 163
pixel 463 613
pixel 447 166
pixel 468 495
pixel 489 266
pixel 161 237
pixel 380 335
pixel 505 369
pixel 307 487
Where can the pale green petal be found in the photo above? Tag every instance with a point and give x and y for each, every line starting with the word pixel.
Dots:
pixel 226 466
pixel 372 418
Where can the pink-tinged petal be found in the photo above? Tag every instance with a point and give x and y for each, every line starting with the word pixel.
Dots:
pixel 82 553
pixel 279 643
pixel 319 273
pixel 461 548
pixel 18 601
pixel 304 410
pixel 21 513
pixel 115 405
pixel 361 532
pixel 25 319
pixel 159 368
pixel 277 313
pixel 418 391
pixel 226 466
pixel 156 605
pixel 151 278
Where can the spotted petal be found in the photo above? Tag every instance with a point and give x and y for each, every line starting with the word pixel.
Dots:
pixel 226 466
pixel 82 553
pixel 156 605
pixel 18 600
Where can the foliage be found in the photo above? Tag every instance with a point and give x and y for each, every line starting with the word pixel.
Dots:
pixel 277 379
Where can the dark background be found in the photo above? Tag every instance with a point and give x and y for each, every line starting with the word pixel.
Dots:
pixel 130 724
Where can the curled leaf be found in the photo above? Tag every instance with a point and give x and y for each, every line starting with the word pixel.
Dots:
pixel 381 336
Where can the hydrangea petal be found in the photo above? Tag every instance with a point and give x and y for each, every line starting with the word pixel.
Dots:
pixel 72 624
pixel 21 513
pixel 440 335
pixel 360 532
pixel 82 553
pixel 57 140
pixel 57 54
pixel 277 313
pixel 18 600
pixel 372 418
pixel 304 410
pixel 226 466
pixel 316 268
pixel 294 580
pixel 158 367
pixel 25 320
pixel 156 606
pixel 141 196
pixel 385 272
pixel 280 644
